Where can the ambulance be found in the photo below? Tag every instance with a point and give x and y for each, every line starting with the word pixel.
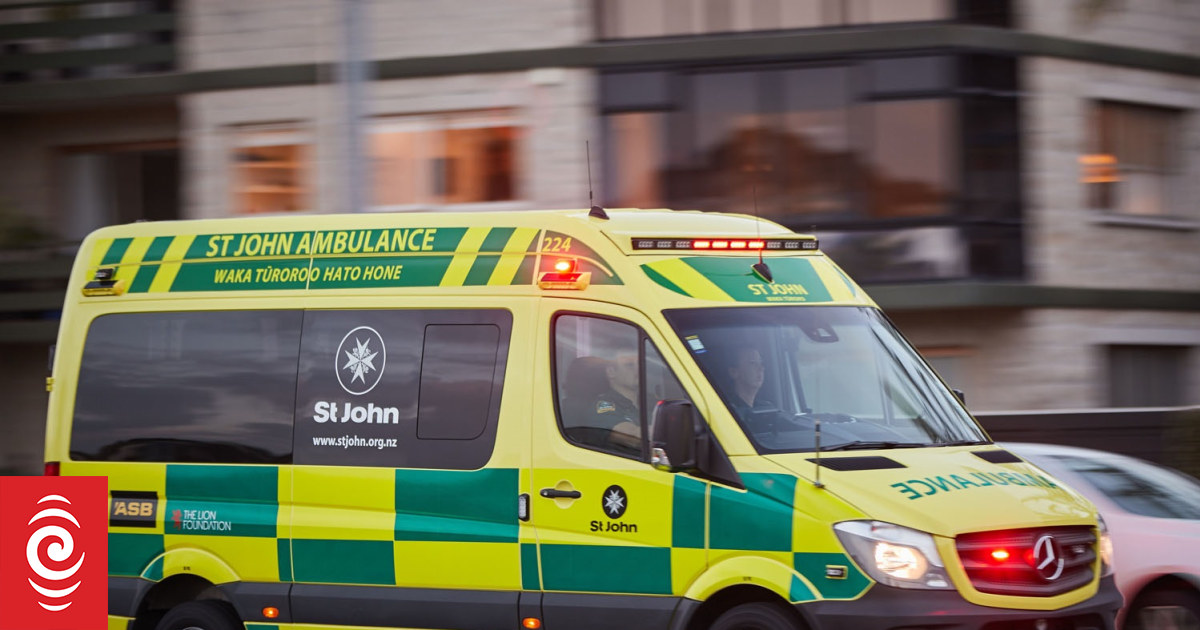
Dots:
pixel 580 420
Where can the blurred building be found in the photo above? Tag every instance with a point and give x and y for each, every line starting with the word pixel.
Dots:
pixel 1014 180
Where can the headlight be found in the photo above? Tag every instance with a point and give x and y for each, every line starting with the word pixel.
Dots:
pixel 894 555
pixel 1106 548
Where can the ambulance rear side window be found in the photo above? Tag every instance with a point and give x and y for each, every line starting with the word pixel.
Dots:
pixel 188 387
pixel 400 388
pixel 458 368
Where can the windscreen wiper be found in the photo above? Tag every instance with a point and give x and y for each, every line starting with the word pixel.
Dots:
pixel 862 445
pixel 962 443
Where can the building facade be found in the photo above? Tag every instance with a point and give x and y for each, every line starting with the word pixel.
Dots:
pixel 1014 180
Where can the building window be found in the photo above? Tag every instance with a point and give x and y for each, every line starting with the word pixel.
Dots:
pixel 799 143
pixel 910 158
pixel 1147 376
pixel 117 184
pixel 633 171
pixel 908 166
pixel 460 158
pixel 1132 159
pixel 271 170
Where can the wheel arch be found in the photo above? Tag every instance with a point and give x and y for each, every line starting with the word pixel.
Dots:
pixel 170 592
pixel 1166 583
pixel 710 609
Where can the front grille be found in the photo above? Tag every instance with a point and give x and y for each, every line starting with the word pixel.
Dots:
pixel 1040 562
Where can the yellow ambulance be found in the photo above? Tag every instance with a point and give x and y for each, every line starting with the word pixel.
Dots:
pixel 578 420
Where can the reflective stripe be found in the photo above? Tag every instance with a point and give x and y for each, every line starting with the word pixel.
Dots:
pixel 98 253
pixel 170 267
pixel 132 259
pixel 690 280
pixel 514 254
pixel 464 256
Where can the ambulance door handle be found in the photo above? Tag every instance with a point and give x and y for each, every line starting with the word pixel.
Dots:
pixel 553 493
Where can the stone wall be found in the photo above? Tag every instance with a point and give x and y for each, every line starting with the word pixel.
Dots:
pixel 1071 244
pixel 219 34
pixel 1166 25
pixel 554 107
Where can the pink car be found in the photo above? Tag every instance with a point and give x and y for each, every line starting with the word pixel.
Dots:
pixel 1153 518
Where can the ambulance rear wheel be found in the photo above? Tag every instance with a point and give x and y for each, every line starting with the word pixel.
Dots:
pixel 756 616
pixel 202 615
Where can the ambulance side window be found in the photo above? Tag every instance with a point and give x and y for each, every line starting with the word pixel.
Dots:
pixel 608 379
pixel 204 387
pixel 401 388
pixel 457 371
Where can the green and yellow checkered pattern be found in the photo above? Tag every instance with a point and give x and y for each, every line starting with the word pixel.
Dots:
pixel 341 527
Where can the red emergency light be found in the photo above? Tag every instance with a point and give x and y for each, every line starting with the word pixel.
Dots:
pixel 741 244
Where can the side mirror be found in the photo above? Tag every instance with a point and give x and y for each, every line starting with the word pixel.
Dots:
pixel 962 396
pixel 673 445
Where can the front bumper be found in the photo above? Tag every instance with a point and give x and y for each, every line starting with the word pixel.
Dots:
pixel 888 608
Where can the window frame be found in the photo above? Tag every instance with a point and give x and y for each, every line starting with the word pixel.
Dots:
pixel 643 413
pixel 862 97
pixel 1145 359
pixel 413 451
pixel 981 148
pixel 1110 202
pixel 432 124
pixel 172 317
pixel 243 137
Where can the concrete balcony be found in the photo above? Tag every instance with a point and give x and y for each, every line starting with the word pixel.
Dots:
pixel 64 41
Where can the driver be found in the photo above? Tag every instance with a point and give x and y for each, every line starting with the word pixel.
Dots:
pixel 747 374
pixel 616 408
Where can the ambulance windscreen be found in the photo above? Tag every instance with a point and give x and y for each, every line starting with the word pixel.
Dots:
pixel 780 370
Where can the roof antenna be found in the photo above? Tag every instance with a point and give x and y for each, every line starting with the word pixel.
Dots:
pixel 761 269
pixel 595 211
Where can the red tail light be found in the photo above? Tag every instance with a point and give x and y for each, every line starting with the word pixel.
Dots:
pixel 52 469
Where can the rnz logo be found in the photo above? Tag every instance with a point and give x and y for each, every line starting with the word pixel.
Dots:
pixel 50 522
pixel 53 553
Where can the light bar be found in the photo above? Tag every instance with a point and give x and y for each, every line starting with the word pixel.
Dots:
pixel 727 244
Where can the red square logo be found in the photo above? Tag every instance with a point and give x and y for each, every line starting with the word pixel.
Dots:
pixel 53 553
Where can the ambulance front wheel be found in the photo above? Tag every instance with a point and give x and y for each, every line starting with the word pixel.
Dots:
pixel 201 615
pixel 757 616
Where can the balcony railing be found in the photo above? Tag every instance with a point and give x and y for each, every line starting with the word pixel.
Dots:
pixel 33 283
pixel 63 40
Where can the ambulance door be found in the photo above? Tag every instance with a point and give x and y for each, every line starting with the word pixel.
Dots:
pixel 614 533
pixel 405 493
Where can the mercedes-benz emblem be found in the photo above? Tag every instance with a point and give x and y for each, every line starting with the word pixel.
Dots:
pixel 1048 558
pixel 360 360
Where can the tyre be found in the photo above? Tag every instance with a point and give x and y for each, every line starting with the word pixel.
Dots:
pixel 201 615
pixel 1165 610
pixel 756 616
